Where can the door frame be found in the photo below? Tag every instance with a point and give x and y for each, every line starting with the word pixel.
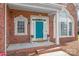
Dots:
pixel 32 27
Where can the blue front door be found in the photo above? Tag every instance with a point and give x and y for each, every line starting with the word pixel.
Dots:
pixel 39 29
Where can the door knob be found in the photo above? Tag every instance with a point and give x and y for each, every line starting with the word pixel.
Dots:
pixel 32 36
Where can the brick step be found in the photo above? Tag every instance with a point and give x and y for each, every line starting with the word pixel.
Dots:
pixel 42 51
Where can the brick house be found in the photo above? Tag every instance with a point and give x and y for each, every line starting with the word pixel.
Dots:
pixel 34 26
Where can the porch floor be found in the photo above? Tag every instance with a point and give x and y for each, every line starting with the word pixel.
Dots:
pixel 28 45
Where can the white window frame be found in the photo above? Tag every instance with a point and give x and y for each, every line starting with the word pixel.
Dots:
pixel 20 18
pixel 71 18
pixel 63 20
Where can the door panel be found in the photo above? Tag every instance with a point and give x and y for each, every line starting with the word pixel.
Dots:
pixel 39 29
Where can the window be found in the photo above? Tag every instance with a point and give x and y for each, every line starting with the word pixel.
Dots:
pixel 63 28
pixel 20 25
pixel 66 24
pixel 70 28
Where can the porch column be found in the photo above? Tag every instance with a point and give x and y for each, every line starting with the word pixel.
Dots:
pixel 57 28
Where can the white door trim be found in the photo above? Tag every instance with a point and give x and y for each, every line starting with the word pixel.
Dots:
pixel 32 26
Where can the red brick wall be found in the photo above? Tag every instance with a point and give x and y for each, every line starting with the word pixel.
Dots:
pixel 2 17
pixel 51 28
pixel 8 29
pixel 10 25
pixel 72 9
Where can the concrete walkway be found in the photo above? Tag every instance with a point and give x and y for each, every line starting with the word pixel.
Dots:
pixel 57 53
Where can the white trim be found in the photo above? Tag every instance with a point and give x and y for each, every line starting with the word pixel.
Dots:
pixel 48 7
pixel 20 18
pixel 68 27
pixel 57 29
pixel 54 26
pixel 60 5
pixel 32 26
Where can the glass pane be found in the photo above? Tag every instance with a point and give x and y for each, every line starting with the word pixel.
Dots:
pixel 20 27
pixel 70 28
pixel 63 14
pixel 63 28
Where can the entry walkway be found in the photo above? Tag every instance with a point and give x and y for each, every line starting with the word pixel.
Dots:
pixel 56 53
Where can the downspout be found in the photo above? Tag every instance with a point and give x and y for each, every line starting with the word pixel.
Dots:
pixel 5 21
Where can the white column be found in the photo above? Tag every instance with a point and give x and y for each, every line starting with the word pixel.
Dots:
pixel 57 29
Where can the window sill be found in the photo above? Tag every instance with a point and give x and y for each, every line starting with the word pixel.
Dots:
pixel 65 36
pixel 20 34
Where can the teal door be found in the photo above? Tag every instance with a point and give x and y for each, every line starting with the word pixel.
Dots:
pixel 39 29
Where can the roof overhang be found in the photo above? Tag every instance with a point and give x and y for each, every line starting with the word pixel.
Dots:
pixel 36 7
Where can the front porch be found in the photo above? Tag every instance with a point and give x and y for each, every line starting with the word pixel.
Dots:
pixel 38 27
pixel 30 49
pixel 29 45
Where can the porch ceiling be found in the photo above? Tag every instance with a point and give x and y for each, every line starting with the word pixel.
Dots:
pixel 36 7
